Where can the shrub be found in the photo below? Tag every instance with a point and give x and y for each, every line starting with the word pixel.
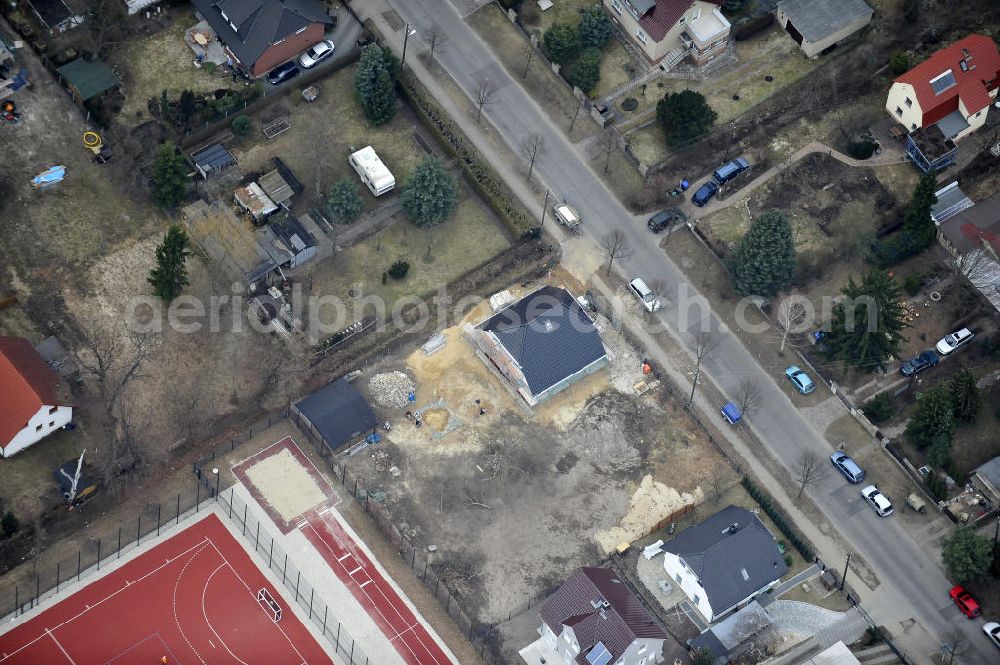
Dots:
pixel 586 71
pixel 879 408
pixel 936 486
pixel 398 269
pixel 562 43
pixel 343 202
pixel 753 26
pixel 209 67
pixel 630 104
pixel 861 149
pixel 764 501
pixel 684 116
pixel 912 284
pixel 595 27
pixel 241 125
pixel 430 193
pixel 9 524
pixel 899 63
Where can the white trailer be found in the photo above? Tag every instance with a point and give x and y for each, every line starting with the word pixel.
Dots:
pixel 372 171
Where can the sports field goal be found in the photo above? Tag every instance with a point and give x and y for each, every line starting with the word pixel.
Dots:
pixel 269 604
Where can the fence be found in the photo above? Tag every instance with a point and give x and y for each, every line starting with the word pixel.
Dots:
pixel 229 446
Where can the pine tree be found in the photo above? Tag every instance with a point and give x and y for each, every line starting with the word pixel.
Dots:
pixel 595 27
pixel 169 177
pixel 866 329
pixel 170 276
pixel 684 116
pixel 764 261
pixel 343 202
pixel 562 43
pixel 965 397
pixel 967 555
pixel 429 196
pixel 933 423
pixel 375 84
pixel 586 71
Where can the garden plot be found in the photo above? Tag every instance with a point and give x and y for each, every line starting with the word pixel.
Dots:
pixel 515 500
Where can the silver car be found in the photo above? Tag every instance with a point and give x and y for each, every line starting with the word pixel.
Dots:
pixel 315 53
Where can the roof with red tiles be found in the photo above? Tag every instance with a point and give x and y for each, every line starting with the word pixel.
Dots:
pixel 27 383
pixel 658 22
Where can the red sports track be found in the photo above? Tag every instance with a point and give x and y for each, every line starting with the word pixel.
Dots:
pixel 372 591
pixel 191 599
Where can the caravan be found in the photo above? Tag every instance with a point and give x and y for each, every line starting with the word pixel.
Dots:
pixel 372 171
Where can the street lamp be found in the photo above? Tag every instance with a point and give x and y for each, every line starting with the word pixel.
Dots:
pixel 215 470
pixel 406 39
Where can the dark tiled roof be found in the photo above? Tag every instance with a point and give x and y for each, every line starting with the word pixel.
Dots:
pixel 259 23
pixel 665 15
pixel 621 623
pixel 720 558
pixel 339 412
pixel 549 335
pixel 213 158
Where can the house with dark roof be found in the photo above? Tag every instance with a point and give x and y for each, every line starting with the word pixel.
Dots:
pixel 972 237
pixel 668 32
pixel 336 413
pixel 723 562
pixel 817 25
pixel 952 89
pixel 542 343
pixel 259 35
pixel 595 619
pixel 35 402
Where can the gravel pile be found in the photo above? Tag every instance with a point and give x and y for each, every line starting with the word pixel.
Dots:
pixel 390 389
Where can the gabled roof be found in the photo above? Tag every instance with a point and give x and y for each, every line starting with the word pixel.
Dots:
pixel 818 19
pixel 27 384
pixel 951 200
pixel 732 553
pixel 658 22
pixel 90 78
pixel 616 626
pixel 549 335
pixel 339 412
pixel 258 24
pixel 968 229
pixel 213 158
pixel 978 54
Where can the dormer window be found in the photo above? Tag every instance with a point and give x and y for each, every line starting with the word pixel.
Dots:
pixel 909 102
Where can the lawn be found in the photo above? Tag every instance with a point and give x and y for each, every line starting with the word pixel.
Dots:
pixel 148 65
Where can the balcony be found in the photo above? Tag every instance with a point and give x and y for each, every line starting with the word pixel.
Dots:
pixel 706 30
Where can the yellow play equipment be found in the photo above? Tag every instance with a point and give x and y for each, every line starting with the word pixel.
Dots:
pixel 93 142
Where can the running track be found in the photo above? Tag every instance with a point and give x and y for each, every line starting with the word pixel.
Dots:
pixel 191 599
pixel 390 612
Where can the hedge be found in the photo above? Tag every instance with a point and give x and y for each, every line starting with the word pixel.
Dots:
pixel 485 181
pixel 766 504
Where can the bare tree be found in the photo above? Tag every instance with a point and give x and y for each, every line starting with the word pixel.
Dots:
pixel 533 148
pixel 437 40
pixel 973 271
pixel 810 470
pixel 484 97
pixel 955 643
pixel 616 246
pixel 528 53
pixel 748 396
pixel 704 344
pixel 606 144
pixel 476 498
pixel 105 25
pixel 659 288
pixel 791 314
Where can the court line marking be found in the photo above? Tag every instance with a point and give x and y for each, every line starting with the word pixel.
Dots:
pixel 177 622
pixel 49 633
pixel 140 642
pixel 204 613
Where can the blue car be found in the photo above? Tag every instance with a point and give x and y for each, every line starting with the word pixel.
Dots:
pixel 705 193
pixel 919 363
pixel 800 380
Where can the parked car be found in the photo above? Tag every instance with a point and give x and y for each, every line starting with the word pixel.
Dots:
pixel 965 602
pixel 283 73
pixel 644 294
pixel 919 363
pixel 953 341
pixel 730 170
pixel 847 466
pixel 315 53
pixel 800 380
pixel 992 630
pixel 663 219
pixel 705 193
pixel 877 500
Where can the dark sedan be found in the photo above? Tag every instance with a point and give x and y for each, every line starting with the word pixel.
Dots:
pixel 282 73
pixel 919 363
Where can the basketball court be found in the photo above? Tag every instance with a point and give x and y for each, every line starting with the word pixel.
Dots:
pixel 194 598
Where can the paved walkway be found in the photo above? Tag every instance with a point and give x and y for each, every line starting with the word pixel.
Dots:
pixel 793 617
pixel 789 584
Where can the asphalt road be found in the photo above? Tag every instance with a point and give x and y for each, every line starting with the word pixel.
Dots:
pixel 912 583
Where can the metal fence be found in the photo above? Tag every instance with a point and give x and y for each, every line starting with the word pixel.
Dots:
pixel 238 439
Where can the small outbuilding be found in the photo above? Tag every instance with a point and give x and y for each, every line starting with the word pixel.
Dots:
pixel 213 159
pixel 336 413
pixel 87 79
pixel 816 25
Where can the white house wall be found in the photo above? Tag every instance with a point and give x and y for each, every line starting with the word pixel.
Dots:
pixel 43 423
pixel 975 120
pixel 909 115
pixel 683 576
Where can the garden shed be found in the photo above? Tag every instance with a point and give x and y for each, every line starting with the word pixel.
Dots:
pixel 87 79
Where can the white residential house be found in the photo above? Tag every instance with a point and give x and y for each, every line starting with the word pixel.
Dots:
pixel 722 563
pixel 670 31
pixel 34 403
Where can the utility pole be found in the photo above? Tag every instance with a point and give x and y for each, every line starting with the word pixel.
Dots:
pixel 545 206
pixel 843 578
pixel 406 39
pixel 575 115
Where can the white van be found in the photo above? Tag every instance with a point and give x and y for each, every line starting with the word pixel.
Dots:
pixel 372 171
pixel 644 294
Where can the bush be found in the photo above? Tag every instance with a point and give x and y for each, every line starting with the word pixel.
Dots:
pixel 763 499
pixel 595 27
pixel 586 71
pixel 753 26
pixel 936 486
pixel 429 195
pixel 861 149
pixel 684 117
pixel 398 269
pixel 343 203
pixel 879 408
pixel 630 104
pixel 9 524
pixel 241 125
pixel 899 63
pixel 912 284
pixel 209 67
pixel 562 43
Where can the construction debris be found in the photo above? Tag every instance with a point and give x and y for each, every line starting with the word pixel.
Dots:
pixel 391 389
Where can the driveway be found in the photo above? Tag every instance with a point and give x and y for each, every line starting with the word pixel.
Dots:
pixel 900 563
pixel 345 41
